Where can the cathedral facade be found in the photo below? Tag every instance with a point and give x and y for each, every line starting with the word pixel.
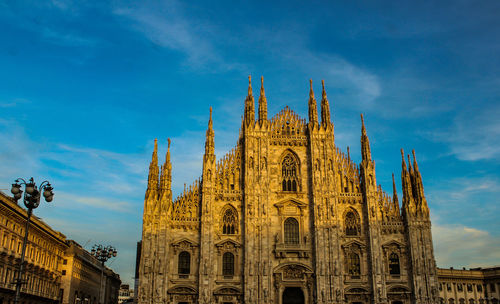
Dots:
pixel 286 217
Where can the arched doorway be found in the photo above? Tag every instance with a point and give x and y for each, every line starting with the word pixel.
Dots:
pixel 293 295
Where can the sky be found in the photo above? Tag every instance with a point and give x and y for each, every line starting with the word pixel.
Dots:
pixel 86 86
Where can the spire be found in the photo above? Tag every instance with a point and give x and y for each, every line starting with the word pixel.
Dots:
pixel 419 187
pixel 209 139
pixel 249 104
pixel 166 169
pixel 395 200
pixel 153 169
pixel 313 109
pixel 415 165
pixel 262 103
pixel 166 181
pixel 408 203
pixel 325 107
pixel 365 143
pixel 348 155
pixel 152 190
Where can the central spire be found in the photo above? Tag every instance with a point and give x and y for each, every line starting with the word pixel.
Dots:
pixel 313 109
pixel 262 103
pixel 249 105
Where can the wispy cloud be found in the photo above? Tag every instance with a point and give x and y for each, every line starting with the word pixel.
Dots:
pixel 166 25
pixel 470 200
pixel 474 134
pixel 360 86
pixel 67 38
pixel 13 102
pixel 94 202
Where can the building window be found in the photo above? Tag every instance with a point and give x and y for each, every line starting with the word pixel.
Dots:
pixel 479 288
pixel 228 264
pixel 289 169
pixel 492 287
pixel 469 287
pixel 440 286
pixel 229 221
pixel 353 264
pixel 471 301
pixel 394 268
pixel 459 287
pixel 291 231
pixel 448 287
pixel 352 226
pixel 64 272
pixel 184 263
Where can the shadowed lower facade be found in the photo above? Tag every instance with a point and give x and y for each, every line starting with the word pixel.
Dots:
pixel 286 217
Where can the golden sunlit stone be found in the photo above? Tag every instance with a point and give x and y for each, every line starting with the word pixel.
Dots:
pixel 286 216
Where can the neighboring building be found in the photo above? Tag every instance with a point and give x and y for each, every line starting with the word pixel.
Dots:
pixel 125 295
pixel 44 255
pixel 57 270
pixel 111 287
pixel 286 217
pixel 473 286
pixel 82 275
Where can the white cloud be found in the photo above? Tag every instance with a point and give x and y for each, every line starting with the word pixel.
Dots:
pixel 462 246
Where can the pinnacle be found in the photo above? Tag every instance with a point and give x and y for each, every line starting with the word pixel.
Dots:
pixel 249 85
pixel 311 92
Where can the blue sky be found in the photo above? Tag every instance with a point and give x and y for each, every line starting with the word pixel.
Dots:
pixel 86 86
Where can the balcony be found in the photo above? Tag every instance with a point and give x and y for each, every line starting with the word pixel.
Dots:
pixel 300 250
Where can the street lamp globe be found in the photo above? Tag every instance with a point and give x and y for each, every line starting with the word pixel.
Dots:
pixel 16 189
pixel 30 188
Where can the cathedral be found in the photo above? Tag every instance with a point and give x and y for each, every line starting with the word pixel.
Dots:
pixel 286 217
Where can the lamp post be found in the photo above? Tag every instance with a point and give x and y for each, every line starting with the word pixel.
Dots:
pixel 31 201
pixel 102 254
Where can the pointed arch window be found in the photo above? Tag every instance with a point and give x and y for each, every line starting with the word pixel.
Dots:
pixel 228 264
pixel 289 172
pixel 352 226
pixel 354 267
pixel 291 231
pixel 184 263
pixel 394 267
pixel 229 221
